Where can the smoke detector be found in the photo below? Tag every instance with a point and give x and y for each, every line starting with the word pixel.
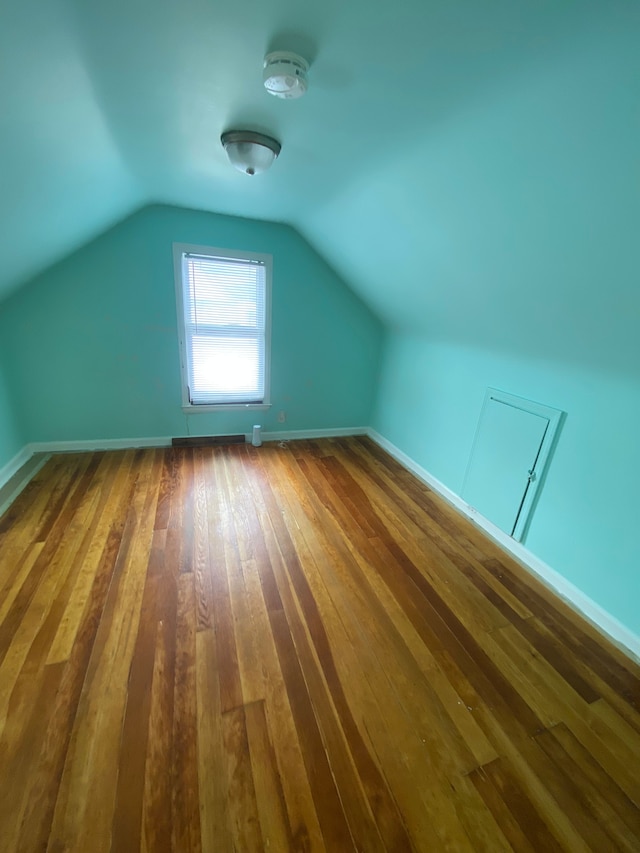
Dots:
pixel 285 74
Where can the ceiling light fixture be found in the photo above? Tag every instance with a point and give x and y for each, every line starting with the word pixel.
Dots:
pixel 250 152
pixel 285 74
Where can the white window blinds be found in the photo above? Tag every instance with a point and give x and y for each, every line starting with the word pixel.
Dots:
pixel 225 329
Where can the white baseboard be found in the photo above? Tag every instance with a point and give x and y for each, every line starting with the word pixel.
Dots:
pixel 97 444
pixel 593 612
pixel 293 434
pixel 165 441
pixel 13 479
pixel 14 465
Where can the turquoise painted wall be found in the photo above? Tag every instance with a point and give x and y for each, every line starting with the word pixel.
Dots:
pixel 10 434
pixel 94 347
pixel 585 524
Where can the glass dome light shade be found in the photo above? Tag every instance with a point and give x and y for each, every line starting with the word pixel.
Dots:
pixel 250 152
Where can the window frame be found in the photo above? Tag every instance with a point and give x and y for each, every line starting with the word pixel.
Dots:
pixel 181 249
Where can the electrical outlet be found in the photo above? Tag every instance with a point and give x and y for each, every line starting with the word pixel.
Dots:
pixel 282 416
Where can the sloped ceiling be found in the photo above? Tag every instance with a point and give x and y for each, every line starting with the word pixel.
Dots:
pixel 471 168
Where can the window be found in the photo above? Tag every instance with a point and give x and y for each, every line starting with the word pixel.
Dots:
pixel 224 316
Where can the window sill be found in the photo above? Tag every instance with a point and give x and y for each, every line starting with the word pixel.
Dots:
pixel 224 407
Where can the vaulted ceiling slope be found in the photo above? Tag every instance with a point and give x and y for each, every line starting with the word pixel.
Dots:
pixel 471 168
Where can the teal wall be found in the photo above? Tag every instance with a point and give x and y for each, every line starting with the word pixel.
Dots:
pixel 94 347
pixel 585 525
pixel 10 434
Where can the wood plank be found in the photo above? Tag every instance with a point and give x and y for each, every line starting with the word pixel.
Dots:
pixel 575 635
pixel 364 681
pixel 21 756
pixel 56 528
pixel 262 595
pixel 44 783
pixel 157 822
pixel 597 779
pixel 215 818
pixel 522 824
pixel 127 816
pixel 333 822
pixel 601 823
pixel 419 674
pixel 201 549
pixel 389 822
pixel 186 798
pixel 92 757
pixel 272 812
pixel 222 554
pixel 241 795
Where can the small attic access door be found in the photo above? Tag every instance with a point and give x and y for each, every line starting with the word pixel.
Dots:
pixel 511 449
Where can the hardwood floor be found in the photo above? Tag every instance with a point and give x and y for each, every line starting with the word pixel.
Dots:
pixel 293 648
